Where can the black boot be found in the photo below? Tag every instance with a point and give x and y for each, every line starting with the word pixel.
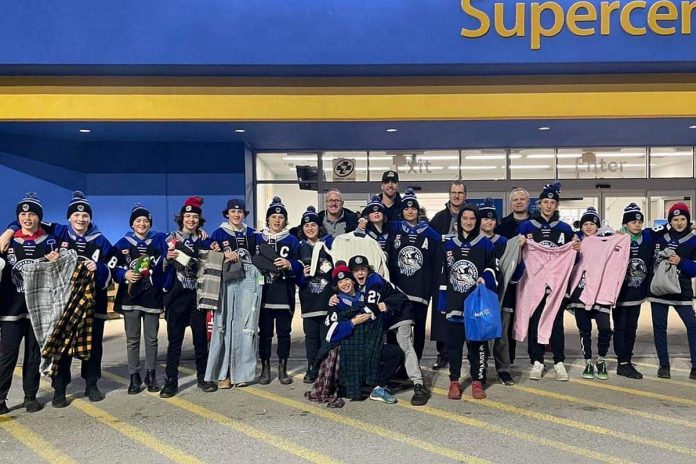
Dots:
pixel 151 381
pixel 441 363
pixel 59 400
pixel 283 376
pixel 135 384
pixel 311 375
pixel 93 393
pixel 31 404
pixel 171 388
pixel 265 377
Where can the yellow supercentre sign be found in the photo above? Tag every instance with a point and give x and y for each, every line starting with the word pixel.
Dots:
pixel 582 19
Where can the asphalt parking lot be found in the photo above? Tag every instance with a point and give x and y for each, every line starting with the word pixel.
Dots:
pixel 617 421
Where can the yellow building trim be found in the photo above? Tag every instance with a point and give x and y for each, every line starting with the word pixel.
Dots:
pixel 366 100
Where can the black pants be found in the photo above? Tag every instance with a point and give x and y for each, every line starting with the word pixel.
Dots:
pixel 477 353
pixel 315 331
pixel 584 321
pixel 283 325
pixel 420 314
pixel 512 343
pixel 389 363
pixel 625 329
pixel 11 335
pixel 180 313
pixel 534 348
pixel 90 370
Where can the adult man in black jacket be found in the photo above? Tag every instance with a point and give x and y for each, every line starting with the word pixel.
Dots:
pixel 445 223
pixel 519 201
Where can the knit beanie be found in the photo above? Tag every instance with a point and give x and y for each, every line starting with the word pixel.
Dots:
pixel 375 206
pixel 341 271
pixel 236 203
pixel 138 211
pixel 79 204
pixel 552 191
pixel 193 205
pixel 632 213
pixel 409 200
pixel 310 216
pixel 590 216
pixel 487 210
pixel 679 209
pixel 276 207
pixel 30 203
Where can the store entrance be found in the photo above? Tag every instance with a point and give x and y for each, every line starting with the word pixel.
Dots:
pixel 610 205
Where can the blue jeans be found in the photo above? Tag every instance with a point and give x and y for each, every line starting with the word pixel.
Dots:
pixel 659 320
pixel 232 351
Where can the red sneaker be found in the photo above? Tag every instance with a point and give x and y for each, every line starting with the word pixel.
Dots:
pixel 455 390
pixel 477 391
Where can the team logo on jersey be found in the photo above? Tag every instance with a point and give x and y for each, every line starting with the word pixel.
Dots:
pixel 637 272
pixel 317 286
pixel 80 208
pixel 410 260
pixel 463 276
pixel 25 207
pixel 548 244
pixel 11 257
pixel 126 251
pixel 17 278
pixel 397 241
pixel 244 255
pixel 225 243
pixel 324 266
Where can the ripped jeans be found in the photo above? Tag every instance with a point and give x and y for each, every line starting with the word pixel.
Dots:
pixel 232 351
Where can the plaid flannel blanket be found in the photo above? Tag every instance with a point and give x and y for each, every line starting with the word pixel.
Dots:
pixel 72 335
pixel 209 279
pixel 325 388
pixel 47 290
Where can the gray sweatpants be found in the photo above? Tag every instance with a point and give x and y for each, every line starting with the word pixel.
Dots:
pixel 501 350
pixel 404 337
pixel 134 321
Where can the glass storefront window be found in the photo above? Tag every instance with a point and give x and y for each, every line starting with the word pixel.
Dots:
pixel 670 162
pixel 416 165
pixel 601 163
pixel 283 166
pixel 336 165
pixel 294 199
pixel 532 164
pixel 483 164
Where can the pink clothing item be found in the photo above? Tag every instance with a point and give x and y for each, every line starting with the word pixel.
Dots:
pixel 603 261
pixel 544 268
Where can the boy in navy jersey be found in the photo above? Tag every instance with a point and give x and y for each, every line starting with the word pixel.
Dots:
pixel 29 244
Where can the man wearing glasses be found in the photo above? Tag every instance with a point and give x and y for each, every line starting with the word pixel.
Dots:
pixel 445 223
pixel 335 218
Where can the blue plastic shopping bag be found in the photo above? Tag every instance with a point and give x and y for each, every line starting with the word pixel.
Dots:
pixel 482 320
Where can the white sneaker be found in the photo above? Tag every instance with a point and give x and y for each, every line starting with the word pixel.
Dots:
pixel 561 373
pixel 537 371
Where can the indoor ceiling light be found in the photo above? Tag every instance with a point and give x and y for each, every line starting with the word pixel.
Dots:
pixel 485 157
pixel 692 127
pixel 391 129
pixel 240 131
pixel 539 156
pixel 85 131
pixel 544 128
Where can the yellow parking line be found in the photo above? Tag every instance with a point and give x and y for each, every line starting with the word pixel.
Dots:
pixel 134 433
pixel 633 391
pixel 364 426
pixel 34 442
pixel 576 425
pixel 273 440
pixel 607 406
pixel 535 439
